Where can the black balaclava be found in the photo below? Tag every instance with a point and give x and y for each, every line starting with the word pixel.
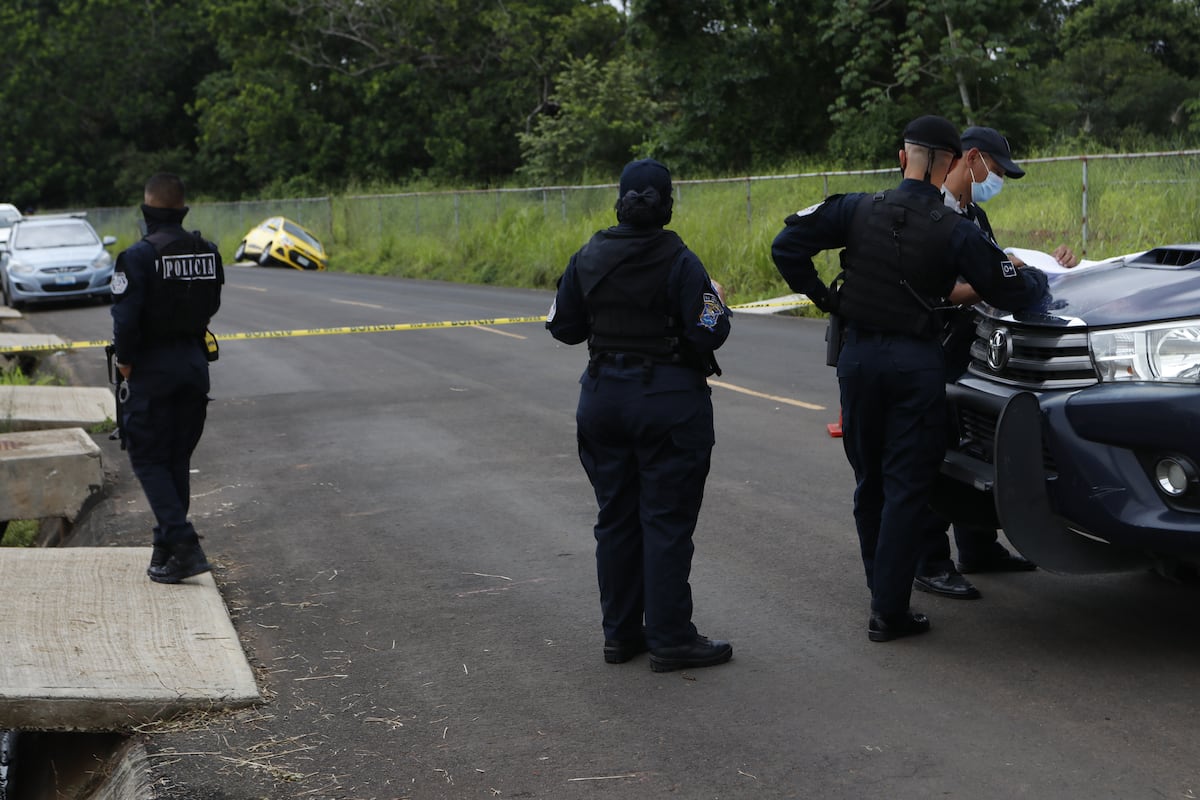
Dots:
pixel 158 216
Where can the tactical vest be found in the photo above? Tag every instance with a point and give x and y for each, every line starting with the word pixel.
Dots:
pixel 619 326
pixel 893 270
pixel 185 289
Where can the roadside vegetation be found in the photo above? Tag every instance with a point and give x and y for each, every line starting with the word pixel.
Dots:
pixel 524 238
pixel 15 373
pixel 19 533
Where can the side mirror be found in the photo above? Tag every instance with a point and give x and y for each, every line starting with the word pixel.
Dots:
pixel 109 241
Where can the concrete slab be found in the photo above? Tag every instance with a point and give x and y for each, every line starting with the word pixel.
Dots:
pixel 29 408
pixel 89 643
pixel 28 342
pixel 47 473
pixel 10 313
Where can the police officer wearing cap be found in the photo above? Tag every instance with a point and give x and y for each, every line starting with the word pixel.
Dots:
pixel 651 317
pixel 977 178
pixel 166 288
pixel 901 253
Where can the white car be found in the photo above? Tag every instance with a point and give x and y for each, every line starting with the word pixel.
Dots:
pixel 52 258
pixel 8 215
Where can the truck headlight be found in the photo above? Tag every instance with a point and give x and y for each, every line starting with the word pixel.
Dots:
pixel 1168 351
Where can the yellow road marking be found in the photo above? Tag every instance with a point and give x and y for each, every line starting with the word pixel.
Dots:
pixel 761 396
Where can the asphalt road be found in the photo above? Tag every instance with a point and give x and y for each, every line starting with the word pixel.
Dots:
pixel 403 535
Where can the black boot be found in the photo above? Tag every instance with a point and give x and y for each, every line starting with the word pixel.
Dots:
pixel 886 627
pixel 184 562
pixel 700 652
pixel 158 558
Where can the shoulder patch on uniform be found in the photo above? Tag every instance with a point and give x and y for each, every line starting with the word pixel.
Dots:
pixel 804 212
pixel 119 283
pixel 1008 268
pixel 711 313
pixel 551 312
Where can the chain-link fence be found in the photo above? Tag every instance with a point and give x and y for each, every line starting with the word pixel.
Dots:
pixel 1100 205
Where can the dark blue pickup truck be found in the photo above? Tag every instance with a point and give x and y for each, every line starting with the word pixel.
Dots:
pixel 1077 426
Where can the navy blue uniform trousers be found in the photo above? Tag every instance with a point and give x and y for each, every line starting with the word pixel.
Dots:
pixel 893 422
pixel 161 423
pixel 646 446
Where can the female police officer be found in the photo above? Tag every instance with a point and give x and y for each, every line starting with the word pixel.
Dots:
pixel 652 318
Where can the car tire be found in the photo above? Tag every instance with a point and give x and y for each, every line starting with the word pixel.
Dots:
pixel 240 252
pixel 264 258
pixel 15 305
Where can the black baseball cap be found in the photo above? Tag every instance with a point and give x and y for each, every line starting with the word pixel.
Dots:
pixel 935 132
pixel 991 142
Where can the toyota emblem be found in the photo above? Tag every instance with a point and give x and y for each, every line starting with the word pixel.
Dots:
pixel 999 349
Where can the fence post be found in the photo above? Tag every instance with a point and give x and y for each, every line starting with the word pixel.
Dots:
pixel 1083 247
pixel 457 232
pixel 825 188
pixel 563 193
pixel 417 214
pixel 749 210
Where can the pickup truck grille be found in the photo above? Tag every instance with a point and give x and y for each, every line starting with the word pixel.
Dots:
pixel 1031 357
pixel 977 436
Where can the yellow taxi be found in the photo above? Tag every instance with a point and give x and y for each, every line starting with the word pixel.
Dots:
pixel 279 240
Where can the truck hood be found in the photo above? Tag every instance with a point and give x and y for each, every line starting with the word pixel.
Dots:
pixel 1157 285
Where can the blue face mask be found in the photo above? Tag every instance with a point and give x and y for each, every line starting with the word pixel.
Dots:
pixel 989 188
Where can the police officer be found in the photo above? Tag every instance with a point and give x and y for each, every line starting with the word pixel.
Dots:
pixel 902 253
pixel 977 178
pixel 652 318
pixel 166 288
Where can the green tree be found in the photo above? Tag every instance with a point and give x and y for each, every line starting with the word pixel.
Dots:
pixel 741 81
pixel 604 116
pixel 440 88
pixel 970 61
pixel 87 109
pixel 1127 69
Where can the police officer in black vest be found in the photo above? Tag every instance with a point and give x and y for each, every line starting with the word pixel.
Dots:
pixel 902 251
pixel 976 178
pixel 652 318
pixel 166 288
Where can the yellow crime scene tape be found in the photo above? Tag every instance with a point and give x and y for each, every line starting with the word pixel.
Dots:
pixel 385 328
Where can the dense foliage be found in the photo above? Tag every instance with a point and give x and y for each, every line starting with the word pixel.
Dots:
pixel 289 97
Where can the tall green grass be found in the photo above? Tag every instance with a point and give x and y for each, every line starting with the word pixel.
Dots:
pixel 524 237
pixel 13 375
pixel 19 533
